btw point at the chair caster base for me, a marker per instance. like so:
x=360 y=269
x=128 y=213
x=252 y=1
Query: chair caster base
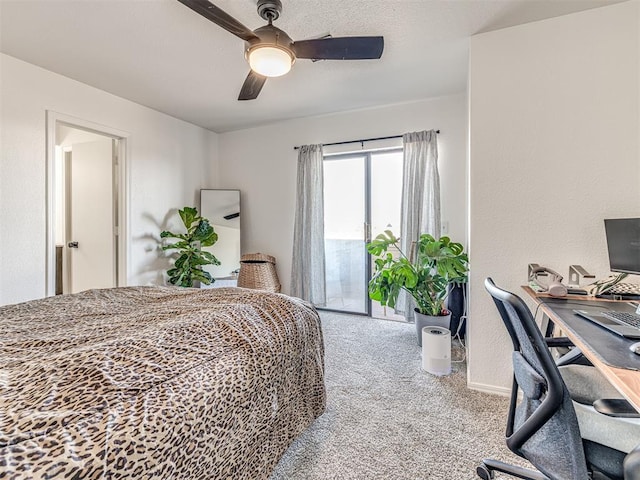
x=484 y=473
x=486 y=470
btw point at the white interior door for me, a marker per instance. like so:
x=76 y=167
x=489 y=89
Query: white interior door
x=91 y=240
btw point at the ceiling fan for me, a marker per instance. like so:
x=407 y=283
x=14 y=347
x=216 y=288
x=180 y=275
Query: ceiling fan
x=271 y=52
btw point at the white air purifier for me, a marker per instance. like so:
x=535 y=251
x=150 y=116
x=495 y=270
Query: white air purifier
x=436 y=350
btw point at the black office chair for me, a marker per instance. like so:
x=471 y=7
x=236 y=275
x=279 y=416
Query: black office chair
x=543 y=427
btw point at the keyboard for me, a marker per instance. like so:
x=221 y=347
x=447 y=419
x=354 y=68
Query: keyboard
x=624 y=289
x=632 y=319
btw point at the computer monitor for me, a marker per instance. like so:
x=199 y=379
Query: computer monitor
x=623 y=243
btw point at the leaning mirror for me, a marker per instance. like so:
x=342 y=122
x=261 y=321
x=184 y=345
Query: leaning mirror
x=222 y=209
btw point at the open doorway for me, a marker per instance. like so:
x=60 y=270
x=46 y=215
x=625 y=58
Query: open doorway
x=86 y=241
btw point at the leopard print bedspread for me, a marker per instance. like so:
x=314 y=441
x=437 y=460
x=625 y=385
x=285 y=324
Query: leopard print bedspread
x=156 y=382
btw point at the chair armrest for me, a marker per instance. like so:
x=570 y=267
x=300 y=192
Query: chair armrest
x=558 y=342
x=615 y=407
x=631 y=465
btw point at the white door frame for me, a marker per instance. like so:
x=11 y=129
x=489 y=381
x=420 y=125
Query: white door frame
x=122 y=174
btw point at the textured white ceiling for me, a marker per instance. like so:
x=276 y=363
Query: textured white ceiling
x=163 y=55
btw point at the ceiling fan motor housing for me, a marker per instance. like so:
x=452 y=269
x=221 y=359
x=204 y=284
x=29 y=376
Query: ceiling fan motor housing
x=270 y=36
x=269 y=9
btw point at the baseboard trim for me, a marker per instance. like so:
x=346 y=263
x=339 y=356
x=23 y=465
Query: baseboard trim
x=481 y=387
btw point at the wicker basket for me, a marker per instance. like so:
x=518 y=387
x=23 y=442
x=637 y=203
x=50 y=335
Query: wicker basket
x=258 y=271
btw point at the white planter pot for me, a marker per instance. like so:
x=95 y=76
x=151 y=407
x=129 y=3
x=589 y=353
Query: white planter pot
x=422 y=321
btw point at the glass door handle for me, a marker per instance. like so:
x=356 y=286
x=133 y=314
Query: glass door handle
x=367 y=232
x=72 y=244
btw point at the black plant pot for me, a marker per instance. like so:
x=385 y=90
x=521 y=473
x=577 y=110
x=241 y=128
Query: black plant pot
x=456 y=306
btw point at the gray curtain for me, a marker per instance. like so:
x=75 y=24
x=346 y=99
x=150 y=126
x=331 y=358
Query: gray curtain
x=308 y=265
x=420 y=211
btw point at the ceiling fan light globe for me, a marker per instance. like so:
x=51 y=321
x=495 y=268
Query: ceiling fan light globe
x=270 y=61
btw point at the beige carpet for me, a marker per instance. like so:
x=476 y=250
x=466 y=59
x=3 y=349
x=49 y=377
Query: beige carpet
x=388 y=419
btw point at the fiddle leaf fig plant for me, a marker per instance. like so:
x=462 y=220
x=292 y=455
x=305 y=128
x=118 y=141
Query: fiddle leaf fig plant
x=187 y=267
x=437 y=264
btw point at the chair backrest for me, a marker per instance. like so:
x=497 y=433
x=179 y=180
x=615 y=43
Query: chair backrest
x=543 y=427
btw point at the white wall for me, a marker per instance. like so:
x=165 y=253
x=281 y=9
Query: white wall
x=555 y=132
x=261 y=162
x=169 y=161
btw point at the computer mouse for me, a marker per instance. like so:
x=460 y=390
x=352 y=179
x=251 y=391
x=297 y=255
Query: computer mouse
x=635 y=348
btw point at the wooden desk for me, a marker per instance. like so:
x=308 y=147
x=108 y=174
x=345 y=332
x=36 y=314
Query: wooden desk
x=587 y=336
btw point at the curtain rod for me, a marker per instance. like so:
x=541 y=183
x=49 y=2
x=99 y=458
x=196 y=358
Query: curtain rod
x=360 y=141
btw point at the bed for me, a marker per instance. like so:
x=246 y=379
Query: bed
x=156 y=382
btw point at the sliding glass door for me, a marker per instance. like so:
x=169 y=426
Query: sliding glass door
x=345 y=211
x=361 y=199
x=386 y=203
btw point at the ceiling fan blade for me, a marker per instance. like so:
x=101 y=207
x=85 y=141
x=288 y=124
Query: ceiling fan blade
x=252 y=86
x=209 y=11
x=340 y=48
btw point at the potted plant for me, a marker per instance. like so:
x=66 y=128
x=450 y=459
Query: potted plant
x=187 y=269
x=435 y=264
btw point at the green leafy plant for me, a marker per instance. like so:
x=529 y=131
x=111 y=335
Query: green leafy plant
x=188 y=266
x=437 y=264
